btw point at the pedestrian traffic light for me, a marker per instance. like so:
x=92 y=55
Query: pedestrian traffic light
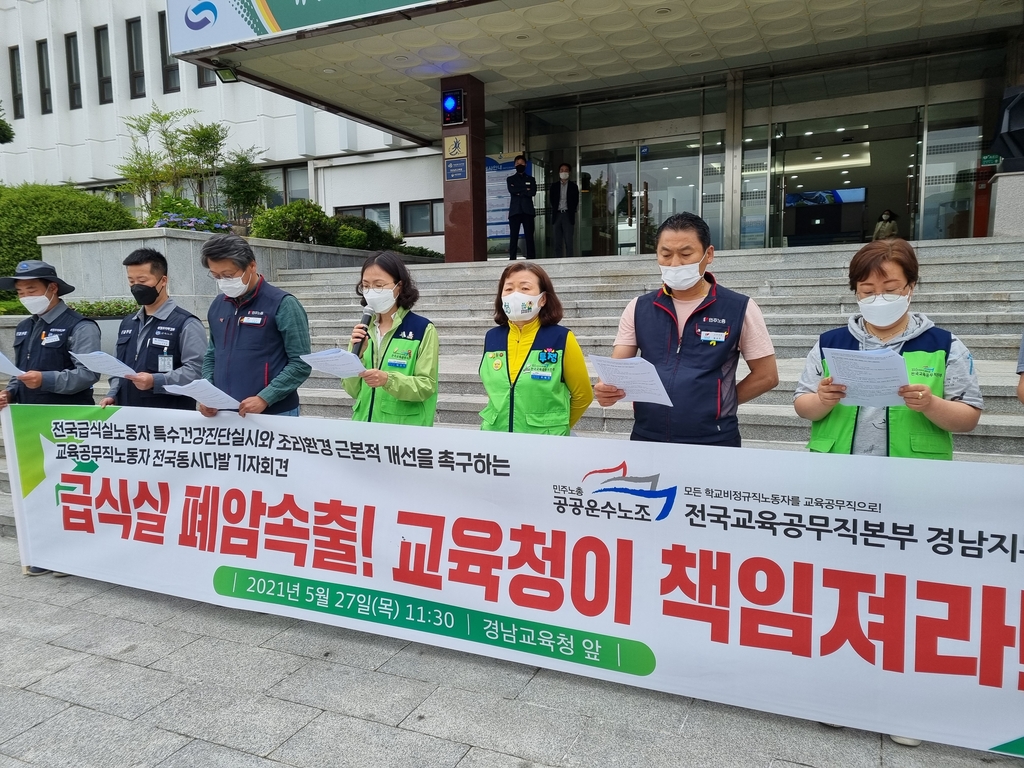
x=451 y=107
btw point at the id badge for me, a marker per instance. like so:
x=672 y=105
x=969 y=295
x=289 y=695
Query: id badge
x=165 y=363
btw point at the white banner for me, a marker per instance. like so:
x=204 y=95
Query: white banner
x=883 y=594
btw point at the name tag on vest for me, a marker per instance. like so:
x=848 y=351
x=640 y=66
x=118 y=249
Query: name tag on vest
x=250 y=320
x=161 y=342
x=712 y=336
x=50 y=340
x=398 y=364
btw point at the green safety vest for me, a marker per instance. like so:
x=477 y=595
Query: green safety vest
x=911 y=434
x=397 y=355
x=538 y=401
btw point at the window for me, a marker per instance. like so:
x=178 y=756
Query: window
x=45 y=92
x=136 y=73
x=74 y=73
x=297 y=183
x=106 y=82
x=423 y=217
x=17 y=92
x=275 y=178
x=206 y=76
x=380 y=213
x=172 y=79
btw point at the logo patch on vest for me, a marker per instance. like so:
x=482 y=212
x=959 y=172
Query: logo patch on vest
x=548 y=356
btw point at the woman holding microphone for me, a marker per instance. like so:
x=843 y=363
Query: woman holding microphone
x=398 y=347
x=532 y=367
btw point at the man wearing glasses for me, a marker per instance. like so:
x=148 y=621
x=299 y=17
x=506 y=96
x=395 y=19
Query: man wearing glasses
x=258 y=334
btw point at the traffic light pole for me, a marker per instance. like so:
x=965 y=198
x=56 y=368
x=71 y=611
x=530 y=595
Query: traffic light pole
x=465 y=193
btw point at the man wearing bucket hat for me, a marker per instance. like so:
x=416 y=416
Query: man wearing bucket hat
x=43 y=344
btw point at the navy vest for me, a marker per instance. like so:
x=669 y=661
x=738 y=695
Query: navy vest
x=698 y=368
x=32 y=353
x=933 y=340
x=164 y=339
x=249 y=349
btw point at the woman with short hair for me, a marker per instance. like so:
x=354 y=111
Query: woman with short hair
x=532 y=367
x=943 y=395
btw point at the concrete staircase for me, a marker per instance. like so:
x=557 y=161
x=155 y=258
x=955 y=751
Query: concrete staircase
x=975 y=288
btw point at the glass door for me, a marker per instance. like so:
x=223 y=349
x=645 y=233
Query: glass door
x=608 y=194
x=669 y=184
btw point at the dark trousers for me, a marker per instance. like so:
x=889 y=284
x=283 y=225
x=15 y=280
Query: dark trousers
x=564 y=227
x=514 y=222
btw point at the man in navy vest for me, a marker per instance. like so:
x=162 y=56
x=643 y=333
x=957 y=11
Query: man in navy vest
x=43 y=344
x=693 y=330
x=258 y=334
x=161 y=341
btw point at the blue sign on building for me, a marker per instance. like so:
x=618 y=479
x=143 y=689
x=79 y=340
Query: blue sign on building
x=456 y=170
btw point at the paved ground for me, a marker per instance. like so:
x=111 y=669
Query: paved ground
x=93 y=674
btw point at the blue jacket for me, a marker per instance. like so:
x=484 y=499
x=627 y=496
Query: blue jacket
x=697 y=367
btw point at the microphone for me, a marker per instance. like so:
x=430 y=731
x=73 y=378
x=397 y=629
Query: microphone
x=364 y=320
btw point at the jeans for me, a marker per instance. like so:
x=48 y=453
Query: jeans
x=293 y=412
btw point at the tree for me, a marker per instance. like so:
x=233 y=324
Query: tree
x=6 y=131
x=202 y=144
x=156 y=159
x=243 y=185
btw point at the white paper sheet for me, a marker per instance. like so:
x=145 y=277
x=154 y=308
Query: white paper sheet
x=101 y=362
x=337 y=362
x=636 y=376
x=6 y=366
x=205 y=393
x=872 y=378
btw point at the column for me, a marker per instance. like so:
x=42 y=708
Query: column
x=465 y=190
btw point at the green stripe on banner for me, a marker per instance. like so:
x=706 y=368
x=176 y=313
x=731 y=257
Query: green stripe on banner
x=1015 y=747
x=587 y=648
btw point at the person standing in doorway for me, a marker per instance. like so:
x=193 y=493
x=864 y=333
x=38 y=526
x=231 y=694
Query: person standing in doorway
x=565 y=199
x=522 y=189
x=886 y=226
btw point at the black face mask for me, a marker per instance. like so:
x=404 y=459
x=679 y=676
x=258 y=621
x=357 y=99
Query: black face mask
x=520 y=169
x=145 y=294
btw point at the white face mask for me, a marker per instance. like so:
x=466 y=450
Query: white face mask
x=232 y=287
x=881 y=313
x=36 y=305
x=521 y=307
x=380 y=300
x=564 y=176
x=682 y=277
x=885 y=217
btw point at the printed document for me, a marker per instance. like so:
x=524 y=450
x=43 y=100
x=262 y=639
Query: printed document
x=6 y=366
x=636 y=376
x=205 y=393
x=872 y=377
x=101 y=362
x=337 y=362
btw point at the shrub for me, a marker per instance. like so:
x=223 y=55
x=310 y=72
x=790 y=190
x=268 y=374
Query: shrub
x=377 y=238
x=29 y=211
x=302 y=221
x=349 y=237
x=106 y=308
x=415 y=250
x=178 y=213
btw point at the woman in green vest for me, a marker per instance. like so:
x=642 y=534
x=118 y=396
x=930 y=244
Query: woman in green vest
x=532 y=368
x=943 y=395
x=398 y=348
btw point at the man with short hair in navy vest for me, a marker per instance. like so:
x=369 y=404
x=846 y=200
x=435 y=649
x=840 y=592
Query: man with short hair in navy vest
x=43 y=343
x=258 y=334
x=161 y=341
x=693 y=330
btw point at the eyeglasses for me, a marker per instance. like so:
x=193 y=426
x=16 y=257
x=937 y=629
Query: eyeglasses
x=376 y=287
x=213 y=276
x=888 y=297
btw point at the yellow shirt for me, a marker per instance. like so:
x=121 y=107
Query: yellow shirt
x=574 y=367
